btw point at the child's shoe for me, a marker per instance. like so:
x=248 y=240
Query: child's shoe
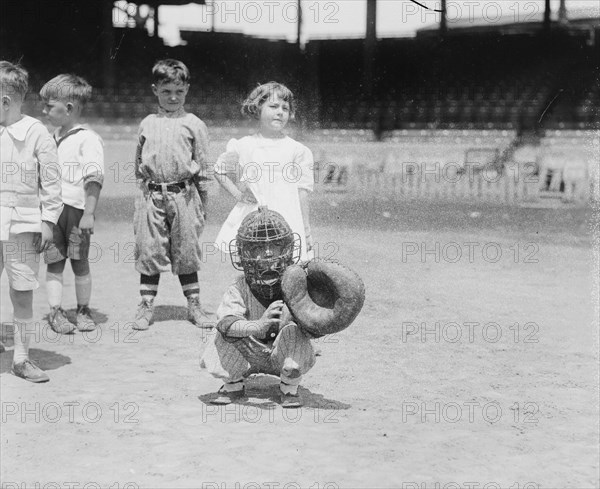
x=58 y=321
x=29 y=371
x=227 y=397
x=84 y=319
x=196 y=315
x=143 y=317
x=291 y=401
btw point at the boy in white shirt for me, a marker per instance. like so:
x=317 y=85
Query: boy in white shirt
x=81 y=160
x=30 y=204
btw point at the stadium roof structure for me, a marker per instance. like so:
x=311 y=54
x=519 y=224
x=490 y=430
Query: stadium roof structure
x=506 y=25
x=90 y=31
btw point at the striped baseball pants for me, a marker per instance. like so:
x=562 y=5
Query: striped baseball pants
x=291 y=356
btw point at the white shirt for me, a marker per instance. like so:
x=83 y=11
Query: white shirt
x=274 y=170
x=30 y=190
x=81 y=158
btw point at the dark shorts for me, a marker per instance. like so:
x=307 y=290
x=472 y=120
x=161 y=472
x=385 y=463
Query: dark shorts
x=68 y=241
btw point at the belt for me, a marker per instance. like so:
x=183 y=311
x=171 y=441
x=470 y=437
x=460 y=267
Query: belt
x=169 y=187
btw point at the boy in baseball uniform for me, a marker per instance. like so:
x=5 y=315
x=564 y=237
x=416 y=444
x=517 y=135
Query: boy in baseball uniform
x=255 y=331
x=171 y=167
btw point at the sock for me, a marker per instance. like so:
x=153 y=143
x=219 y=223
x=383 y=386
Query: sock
x=54 y=286
x=24 y=328
x=289 y=388
x=83 y=289
x=290 y=378
x=149 y=286
x=189 y=284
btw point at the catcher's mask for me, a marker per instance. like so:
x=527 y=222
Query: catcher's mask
x=263 y=248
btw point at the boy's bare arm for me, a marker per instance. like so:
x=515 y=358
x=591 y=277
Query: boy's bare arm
x=92 y=194
x=93 y=156
x=42 y=241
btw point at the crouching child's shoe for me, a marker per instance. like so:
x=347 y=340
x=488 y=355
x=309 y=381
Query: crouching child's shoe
x=196 y=315
x=29 y=371
x=291 y=400
x=227 y=397
x=144 y=315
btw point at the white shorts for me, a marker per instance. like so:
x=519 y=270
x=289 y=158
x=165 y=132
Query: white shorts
x=21 y=260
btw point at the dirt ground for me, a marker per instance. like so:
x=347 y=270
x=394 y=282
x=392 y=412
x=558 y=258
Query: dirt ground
x=473 y=362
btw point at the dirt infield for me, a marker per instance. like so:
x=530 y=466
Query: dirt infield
x=474 y=361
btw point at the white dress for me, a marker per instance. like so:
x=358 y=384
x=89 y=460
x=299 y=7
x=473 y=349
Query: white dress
x=274 y=170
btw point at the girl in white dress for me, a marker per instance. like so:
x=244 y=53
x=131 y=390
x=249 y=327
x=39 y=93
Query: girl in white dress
x=273 y=169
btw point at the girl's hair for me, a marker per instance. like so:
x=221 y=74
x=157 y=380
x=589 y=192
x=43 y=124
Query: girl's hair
x=170 y=71
x=253 y=103
x=68 y=88
x=13 y=78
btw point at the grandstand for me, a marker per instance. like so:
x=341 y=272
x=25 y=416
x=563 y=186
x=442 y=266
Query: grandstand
x=513 y=82
x=497 y=75
x=454 y=83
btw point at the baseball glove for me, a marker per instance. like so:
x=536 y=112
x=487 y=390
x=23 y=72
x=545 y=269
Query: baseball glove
x=324 y=297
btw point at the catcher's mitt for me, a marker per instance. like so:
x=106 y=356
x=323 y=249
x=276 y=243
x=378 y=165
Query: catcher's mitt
x=323 y=296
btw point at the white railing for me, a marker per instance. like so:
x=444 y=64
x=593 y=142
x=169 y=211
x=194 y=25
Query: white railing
x=511 y=187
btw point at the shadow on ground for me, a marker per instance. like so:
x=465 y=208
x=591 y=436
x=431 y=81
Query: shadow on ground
x=46 y=360
x=170 y=313
x=98 y=316
x=262 y=391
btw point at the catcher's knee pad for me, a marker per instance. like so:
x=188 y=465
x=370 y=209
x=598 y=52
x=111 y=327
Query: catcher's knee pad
x=291 y=372
x=291 y=331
